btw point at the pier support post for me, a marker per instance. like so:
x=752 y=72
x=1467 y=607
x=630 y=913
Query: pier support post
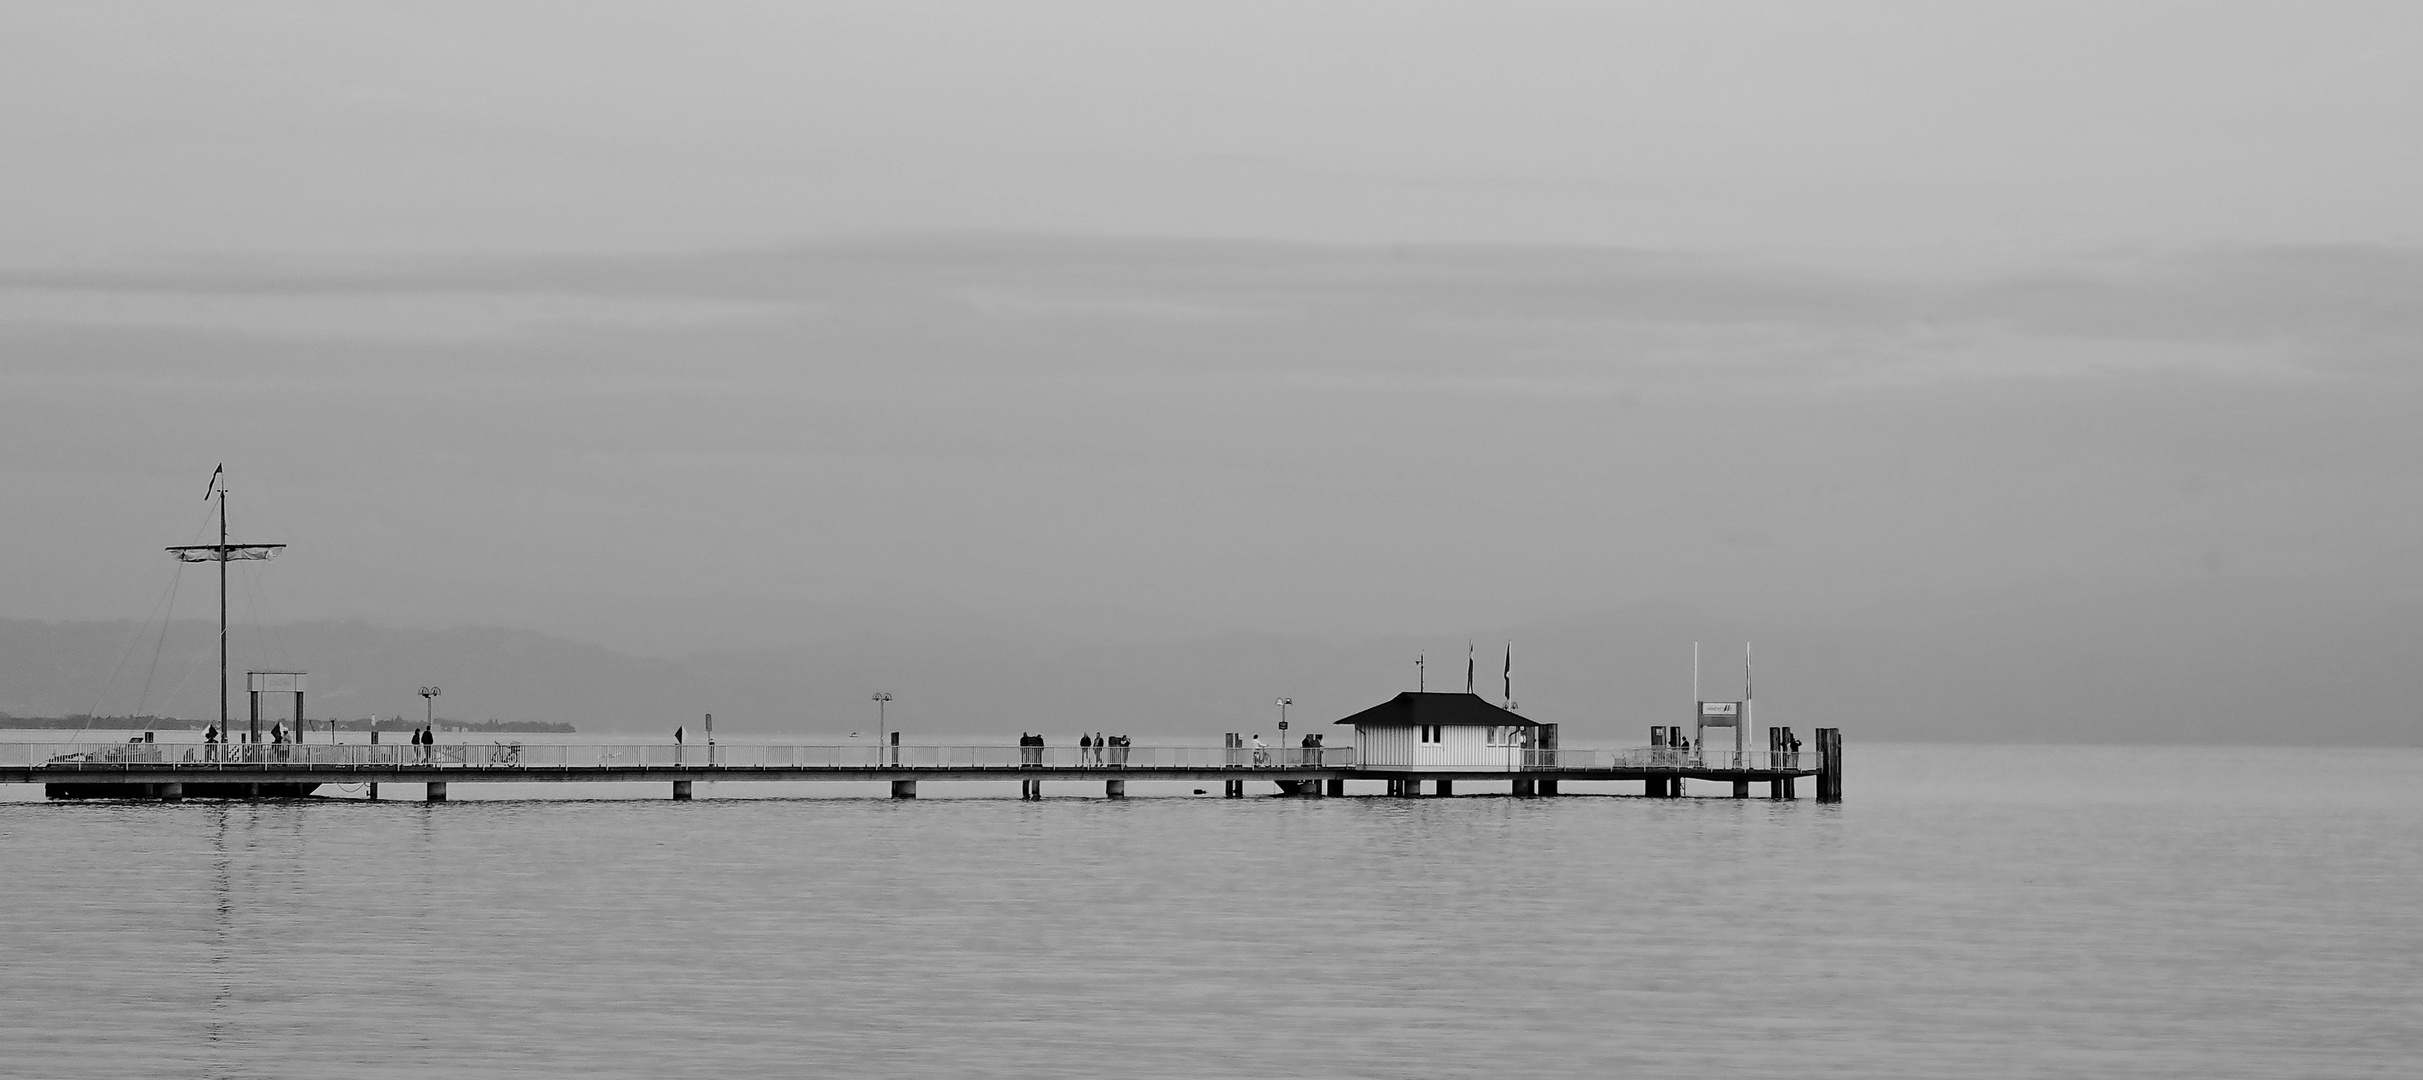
x=1234 y=790
x=1030 y=790
x=1741 y=789
x=1446 y=787
x=1524 y=785
x=904 y=789
x=681 y=791
x=172 y=793
x=374 y=793
x=1545 y=785
x=437 y=791
x=1829 y=765
x=1114 y=789
x=1336 y=787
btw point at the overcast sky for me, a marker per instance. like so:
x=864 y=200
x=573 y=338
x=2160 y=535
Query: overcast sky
x=704 y=326
x=1957 y=131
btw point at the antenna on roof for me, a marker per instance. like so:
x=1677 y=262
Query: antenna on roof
x=1420 y=675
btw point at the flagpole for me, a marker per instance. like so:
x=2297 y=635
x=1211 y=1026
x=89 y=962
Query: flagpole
x=1510 y=673
x=222 y=553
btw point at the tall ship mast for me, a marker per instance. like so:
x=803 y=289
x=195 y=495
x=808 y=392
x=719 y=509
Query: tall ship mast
x=223 y=553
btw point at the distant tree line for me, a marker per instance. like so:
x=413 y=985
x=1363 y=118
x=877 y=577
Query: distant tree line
x=79 y=722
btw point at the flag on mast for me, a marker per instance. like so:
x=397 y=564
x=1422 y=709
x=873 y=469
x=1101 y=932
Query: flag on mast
x=1468 y=670
x=213 y=488
x=1510 y=671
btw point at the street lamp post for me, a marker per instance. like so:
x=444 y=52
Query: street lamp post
x=881 y=697
x=1283 y=703
x=429 y=696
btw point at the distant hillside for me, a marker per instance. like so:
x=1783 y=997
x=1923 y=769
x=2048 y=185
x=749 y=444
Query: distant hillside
x=2234 y=662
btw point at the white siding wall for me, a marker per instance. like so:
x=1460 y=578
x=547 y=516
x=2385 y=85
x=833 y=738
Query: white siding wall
x=1463 y=749
x=1384 y=747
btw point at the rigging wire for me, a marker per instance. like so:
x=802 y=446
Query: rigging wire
x=168 y=617
x=160 y=611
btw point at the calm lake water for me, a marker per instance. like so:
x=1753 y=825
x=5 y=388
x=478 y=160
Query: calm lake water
x=2090 y=912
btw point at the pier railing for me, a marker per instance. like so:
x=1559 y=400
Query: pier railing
x=118 y=756
x=1667 y=757
x=498 y=754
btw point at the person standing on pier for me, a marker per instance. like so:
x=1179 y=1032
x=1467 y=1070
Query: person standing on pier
x=210 y=743
x=1085 y=749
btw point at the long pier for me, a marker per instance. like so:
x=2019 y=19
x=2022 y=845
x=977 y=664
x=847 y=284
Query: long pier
x=172 y=771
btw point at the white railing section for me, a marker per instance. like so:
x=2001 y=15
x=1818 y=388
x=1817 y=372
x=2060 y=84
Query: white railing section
x=65 y=756
x=1667 y=757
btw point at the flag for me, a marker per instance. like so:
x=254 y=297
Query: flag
x=1468 y=667
x=213 y=489
x=677 y=734
x=1510 y=671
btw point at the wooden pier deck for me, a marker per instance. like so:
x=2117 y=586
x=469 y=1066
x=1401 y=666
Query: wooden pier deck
x=179 y=770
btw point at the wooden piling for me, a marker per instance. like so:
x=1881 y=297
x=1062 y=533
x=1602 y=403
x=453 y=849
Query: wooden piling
x=172 y=793
x=1234 y=790
x=437 y=791
x=1336 y=787
x=1446 y=787
x=1114 y=789
x=374 y=793
x=1545 y=785
x=1523 y=786
x=904 y=789
x=681 y=791
x=1741 y=789
x=1829 y=765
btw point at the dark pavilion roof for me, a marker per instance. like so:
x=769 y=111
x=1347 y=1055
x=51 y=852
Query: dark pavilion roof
x=1445 y=709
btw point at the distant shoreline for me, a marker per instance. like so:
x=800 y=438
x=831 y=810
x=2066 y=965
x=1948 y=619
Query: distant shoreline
x=172 y=723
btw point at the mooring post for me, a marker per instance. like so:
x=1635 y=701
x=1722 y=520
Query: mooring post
x=437 y=791
x=681 y=791
x=1114 y=789
x=904 y=789
x=1829 y=765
